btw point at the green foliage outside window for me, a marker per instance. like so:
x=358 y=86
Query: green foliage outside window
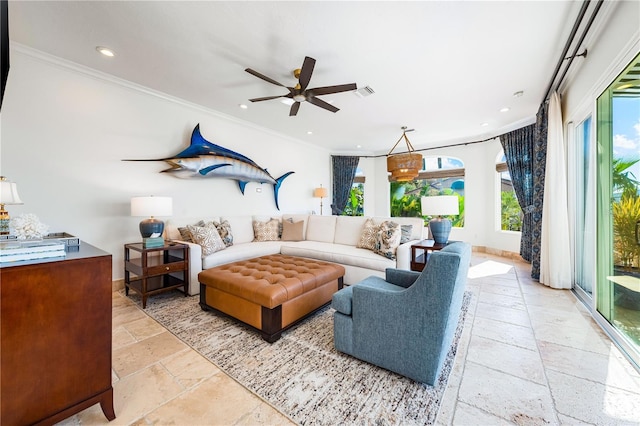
x=626 y=212
x=405 y=199
x=355 y=205
x=511 y=217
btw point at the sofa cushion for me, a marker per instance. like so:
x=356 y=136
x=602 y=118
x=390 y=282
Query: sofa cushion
x=292 y=231
x=321 y=228
x=388 y=239
x=207 y=237
x=242 y=228
x=240 y=252
x=338 y=253
x=368 y=235
x=349 y=229
x=266 y=231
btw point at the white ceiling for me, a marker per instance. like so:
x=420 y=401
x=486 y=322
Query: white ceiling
x=441 y=67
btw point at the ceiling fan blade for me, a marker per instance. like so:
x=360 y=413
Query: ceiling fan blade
x=294 y=109
x=263 y=77
x=306 y=71
x=322 y=104
x=331 y=89
x=266 y=98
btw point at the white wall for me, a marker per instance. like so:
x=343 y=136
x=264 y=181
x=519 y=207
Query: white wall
x=65 y=131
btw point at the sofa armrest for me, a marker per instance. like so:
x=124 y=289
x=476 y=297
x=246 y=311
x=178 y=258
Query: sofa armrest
x=403 y=255
x=195 y=266
x=400 y=277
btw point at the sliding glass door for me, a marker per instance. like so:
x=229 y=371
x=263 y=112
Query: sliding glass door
x=618 y=208
x=585 y=211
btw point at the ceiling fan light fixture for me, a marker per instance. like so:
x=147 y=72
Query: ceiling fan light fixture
x=299 y=98
x=406 y=166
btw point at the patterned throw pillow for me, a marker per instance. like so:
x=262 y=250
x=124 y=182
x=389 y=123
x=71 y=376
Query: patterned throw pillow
x=369 y=235
x=208 y=238
x=405 y=231
x=388 y=239
x=224 y=229
x=185 y=235
x=266 y=231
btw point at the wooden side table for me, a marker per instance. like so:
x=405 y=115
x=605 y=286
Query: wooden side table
x=420 y=253
x=157 y=269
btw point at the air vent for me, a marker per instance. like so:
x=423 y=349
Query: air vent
x=364 y=91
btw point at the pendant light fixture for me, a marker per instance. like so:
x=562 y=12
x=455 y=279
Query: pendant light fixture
x=406 y=166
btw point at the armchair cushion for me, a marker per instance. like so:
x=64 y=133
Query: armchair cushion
x=342 y=300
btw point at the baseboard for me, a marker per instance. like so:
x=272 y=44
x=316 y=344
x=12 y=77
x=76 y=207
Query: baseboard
x=502 y=253
x=117 y=285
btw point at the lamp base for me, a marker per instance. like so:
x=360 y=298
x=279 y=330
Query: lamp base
x=440 y=229
x=4 y=221
x=151 y=228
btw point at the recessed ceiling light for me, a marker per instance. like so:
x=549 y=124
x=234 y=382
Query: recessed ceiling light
x=243 y=106
x=309 y=132
x=287 y=101
x=106 y=51
x=358 y=146
x=518 y=94
x=484 y=124
x=505 y=109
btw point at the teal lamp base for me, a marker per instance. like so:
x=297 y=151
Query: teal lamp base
x=440 y=229
x=151 y=228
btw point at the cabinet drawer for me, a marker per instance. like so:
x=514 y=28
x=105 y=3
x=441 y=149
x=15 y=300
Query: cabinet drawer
x=165 y=268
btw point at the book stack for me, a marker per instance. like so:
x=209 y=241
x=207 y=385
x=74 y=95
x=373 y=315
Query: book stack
x=153 y=242
x=14 y=251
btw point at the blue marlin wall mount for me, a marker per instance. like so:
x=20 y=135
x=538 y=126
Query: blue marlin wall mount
x=203 y=159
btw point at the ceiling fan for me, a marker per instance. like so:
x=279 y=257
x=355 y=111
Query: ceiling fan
x=300 y=93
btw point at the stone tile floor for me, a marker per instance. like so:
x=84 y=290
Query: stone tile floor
x=529 y=355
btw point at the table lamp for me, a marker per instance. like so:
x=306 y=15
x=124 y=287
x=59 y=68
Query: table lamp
x=150 y=207
x=8 y=195
x=440 y=205
x=320 y=193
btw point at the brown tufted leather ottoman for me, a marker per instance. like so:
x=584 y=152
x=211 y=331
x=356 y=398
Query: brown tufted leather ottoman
x=270 y=293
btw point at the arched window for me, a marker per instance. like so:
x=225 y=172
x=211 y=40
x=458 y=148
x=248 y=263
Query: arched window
x=440 y=175
x=510 y=211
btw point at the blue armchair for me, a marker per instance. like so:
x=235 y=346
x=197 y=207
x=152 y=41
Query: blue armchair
x=406 y=322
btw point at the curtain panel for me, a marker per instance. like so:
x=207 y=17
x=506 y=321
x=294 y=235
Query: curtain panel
x=518 y=147
x=539 y=172
x=555 y=259
x=344 y=171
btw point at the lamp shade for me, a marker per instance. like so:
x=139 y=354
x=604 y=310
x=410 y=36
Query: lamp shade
x=151 y=206
x=9 y=193
x=320 y=192
x=439 y=205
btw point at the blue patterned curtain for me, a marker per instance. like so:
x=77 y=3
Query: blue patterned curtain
x=526 y=152
x=344 y=170
x=519 y=152
x=539 y=171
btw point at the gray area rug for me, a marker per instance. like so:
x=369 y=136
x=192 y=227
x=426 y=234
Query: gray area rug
x=302 y=375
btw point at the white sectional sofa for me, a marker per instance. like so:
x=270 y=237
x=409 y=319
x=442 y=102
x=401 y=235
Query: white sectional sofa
x=328 y=238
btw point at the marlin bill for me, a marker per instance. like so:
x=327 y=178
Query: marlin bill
x=203 y=159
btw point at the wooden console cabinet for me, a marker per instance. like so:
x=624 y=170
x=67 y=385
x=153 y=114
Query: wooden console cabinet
x=55 y=346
